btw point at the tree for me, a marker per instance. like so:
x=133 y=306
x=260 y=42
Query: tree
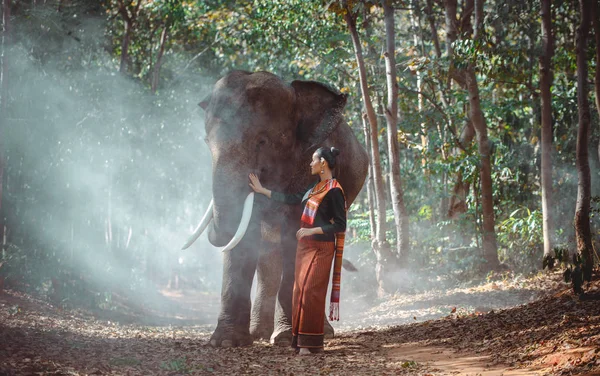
x=480 y=125
x=129 y=12
x=3 y=107
x=596 y=24
x=5 y=46
x=385 y=259
x=391 y=116
x=582 y=209
x=546 y=98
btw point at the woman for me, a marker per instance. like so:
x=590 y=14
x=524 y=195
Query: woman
x=320 y=237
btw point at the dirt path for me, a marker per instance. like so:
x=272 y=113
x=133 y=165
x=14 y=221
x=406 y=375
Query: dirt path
x=555 y=334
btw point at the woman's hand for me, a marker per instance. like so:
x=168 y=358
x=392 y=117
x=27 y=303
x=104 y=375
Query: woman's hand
x=303 y=232
x=255 y=184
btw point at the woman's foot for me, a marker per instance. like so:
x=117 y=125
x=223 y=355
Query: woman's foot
x=304 y=351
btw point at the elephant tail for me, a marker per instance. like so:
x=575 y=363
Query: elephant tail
x=346 y=264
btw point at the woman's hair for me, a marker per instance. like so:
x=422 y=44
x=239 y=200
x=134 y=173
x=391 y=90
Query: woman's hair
x=328 y=154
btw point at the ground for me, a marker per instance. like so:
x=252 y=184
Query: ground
x=532 y=326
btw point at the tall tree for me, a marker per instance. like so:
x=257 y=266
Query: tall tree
x=391 y=116
x=3 y=105
x=582 y=210
x=546 y=97
x=458 y=199
x=385 y=259
x=159 y=58
x=5 y=44
x=479 y=123
x=596 y=23
x=369 y=182
x=129 y=12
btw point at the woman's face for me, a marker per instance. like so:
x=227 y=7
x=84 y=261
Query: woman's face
x=315 y=165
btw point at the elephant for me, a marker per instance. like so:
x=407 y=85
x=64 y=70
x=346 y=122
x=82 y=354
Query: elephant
x=257 y=123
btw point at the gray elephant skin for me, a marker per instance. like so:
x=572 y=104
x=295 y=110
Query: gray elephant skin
x=257 y=123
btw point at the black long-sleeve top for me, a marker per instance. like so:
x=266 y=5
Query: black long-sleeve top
x=331 y=215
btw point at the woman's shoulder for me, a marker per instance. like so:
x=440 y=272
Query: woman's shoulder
x=336 y=191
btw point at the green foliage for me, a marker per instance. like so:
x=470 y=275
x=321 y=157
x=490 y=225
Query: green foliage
x=522 y=239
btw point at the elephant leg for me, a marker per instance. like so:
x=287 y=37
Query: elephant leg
x=239 y=265
x=268 y=276
x=282 y=332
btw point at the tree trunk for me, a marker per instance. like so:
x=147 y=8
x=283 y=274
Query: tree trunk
x=451 y=32
x=370 y=188
x=129 y=20
x=158 y=63
x=458 y=200
x=3 y=107
x=433 y=29
x=545 y=84
x=5 y=46
x=596 y=23
x=385 y=258
x=582 y=210
x=391 y=116
x=125 y=46
x=490 y=251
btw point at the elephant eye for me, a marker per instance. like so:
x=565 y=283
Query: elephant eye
x=261 y=142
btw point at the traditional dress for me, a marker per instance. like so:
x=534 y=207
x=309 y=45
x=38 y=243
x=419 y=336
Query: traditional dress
x=324 y=206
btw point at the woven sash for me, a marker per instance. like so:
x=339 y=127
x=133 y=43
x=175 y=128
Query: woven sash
x=315 y=197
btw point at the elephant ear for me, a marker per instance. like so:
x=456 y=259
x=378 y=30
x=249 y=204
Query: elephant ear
x=319 y=111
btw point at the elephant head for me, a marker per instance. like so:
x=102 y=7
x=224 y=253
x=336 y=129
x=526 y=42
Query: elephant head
x=256 y=123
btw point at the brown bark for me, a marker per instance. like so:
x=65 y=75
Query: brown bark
x=546 y=98
x=129 y=20
x=451 y=32
x=490 y=251
x=3 y=107
x=433 y=29
x=458 y=200
x=5 y=43
x=582 y=210
x=370 y=187
x=596 y=23
x=159 y=57
x=385 y=259
x=391 y=116
x=125 y=47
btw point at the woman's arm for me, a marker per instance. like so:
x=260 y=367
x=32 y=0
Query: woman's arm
x=291 y=199
x=338 y=209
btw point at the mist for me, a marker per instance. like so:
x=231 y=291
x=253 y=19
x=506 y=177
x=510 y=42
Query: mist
x=102 y=177
x=106 y=181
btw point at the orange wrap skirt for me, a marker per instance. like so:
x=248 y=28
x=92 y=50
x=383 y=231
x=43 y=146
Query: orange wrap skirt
x=313 y=267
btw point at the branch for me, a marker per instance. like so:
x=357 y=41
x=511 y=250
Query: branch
x=429 y=99
x=200 y=53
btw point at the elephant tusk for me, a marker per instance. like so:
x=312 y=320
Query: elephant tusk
x=208 y=216
x=241 y=231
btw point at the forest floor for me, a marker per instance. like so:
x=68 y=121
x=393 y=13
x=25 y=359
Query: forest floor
x=511 y=326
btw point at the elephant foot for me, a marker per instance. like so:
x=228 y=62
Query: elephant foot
x=261 y=330
x=282 y=337
x=328 y=330
x=230 y=337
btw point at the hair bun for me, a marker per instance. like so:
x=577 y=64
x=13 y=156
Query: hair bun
x=335 y=151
